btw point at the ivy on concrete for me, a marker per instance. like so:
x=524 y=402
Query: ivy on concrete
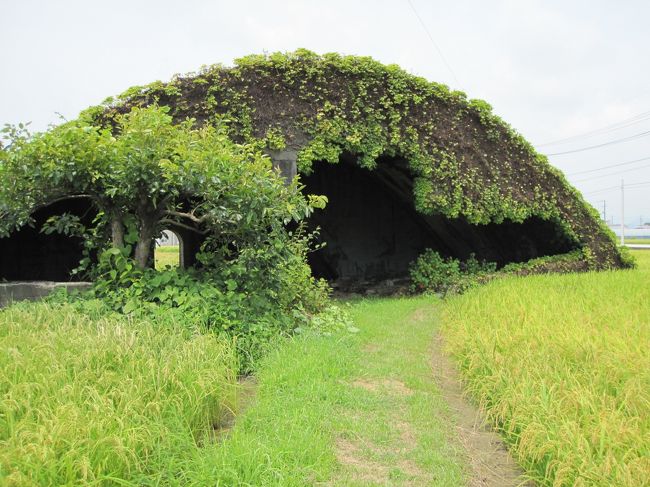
x=465 y=160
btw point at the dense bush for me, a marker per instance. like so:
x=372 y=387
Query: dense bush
x=432 y=272
x=257 y=297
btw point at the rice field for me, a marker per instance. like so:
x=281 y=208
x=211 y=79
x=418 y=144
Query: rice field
x=166 y=255
x=104 y=401
x=561 y=363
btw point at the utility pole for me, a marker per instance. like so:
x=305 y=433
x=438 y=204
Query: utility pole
x=604 y=212
x=622 y=212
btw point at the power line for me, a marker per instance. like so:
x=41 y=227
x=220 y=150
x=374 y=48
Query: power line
x=637 y=184
x=611 y=142
x=609 y=166
x=611 y=174
x=642 y=117
x=642 y=183
x=433 y=42
x=601 y=190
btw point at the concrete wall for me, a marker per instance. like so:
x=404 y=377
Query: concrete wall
x=19 y=291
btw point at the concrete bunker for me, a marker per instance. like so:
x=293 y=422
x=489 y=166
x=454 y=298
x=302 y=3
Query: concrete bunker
x=372 y=230
x=29 y=254
x=305 y=108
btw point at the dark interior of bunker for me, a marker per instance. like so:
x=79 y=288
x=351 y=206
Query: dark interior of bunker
x=32 y=255
x=370 y=226
x=373 y=232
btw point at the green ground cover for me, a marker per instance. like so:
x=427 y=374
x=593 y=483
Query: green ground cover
x=561 y=364
x=109 y=401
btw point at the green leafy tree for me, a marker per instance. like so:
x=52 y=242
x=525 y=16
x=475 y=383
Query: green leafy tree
x=147 y=173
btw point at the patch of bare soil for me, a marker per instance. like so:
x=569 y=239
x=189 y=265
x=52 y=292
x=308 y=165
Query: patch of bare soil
x=349 y=453
x=352 y=454
x=490 y=462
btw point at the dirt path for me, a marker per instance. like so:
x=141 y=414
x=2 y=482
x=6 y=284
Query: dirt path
x=491 y=463
x=404 y=420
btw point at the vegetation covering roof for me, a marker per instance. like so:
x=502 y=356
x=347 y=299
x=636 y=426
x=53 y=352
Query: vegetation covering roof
x=465 y=160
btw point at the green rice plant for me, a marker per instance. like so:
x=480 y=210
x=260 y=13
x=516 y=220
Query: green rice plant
x=561 y=365
x=86 y=399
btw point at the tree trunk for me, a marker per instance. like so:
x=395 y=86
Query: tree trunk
x=143 y=247
x=117 y=230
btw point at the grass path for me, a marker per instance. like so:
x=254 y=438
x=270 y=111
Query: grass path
x=395 y=431
x=354 y=410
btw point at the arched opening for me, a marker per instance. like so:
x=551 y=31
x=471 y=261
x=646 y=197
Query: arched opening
x=32 y=255
x=167 y=251
x=177 y=246
x=373 y=232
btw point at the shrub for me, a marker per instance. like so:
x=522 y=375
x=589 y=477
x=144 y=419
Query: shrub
x=432 y=272
x=263 y=293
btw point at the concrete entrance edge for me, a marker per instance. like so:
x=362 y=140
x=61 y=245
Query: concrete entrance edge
x=33 y=290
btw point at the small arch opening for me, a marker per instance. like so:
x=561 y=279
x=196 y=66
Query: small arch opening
x=168 y=251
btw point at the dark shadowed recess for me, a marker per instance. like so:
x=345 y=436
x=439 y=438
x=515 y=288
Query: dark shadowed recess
x=30 y=255
x=372 y=230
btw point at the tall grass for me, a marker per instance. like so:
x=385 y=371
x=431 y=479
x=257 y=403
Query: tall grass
x=105 y=400
x=562 y=364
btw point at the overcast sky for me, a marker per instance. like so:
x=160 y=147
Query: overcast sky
x=552 y=69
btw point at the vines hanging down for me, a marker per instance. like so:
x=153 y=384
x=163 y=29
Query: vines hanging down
x=465 y=161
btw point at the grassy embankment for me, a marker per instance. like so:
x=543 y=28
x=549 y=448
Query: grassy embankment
x=561 y=363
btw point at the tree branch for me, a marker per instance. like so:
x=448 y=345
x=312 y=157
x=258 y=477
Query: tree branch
x=182 y=225
x=63 y=198
x=189 y=216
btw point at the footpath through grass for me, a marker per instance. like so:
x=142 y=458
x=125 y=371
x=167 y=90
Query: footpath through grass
x=114 y=402
x=562 y=364
x=354 y=410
